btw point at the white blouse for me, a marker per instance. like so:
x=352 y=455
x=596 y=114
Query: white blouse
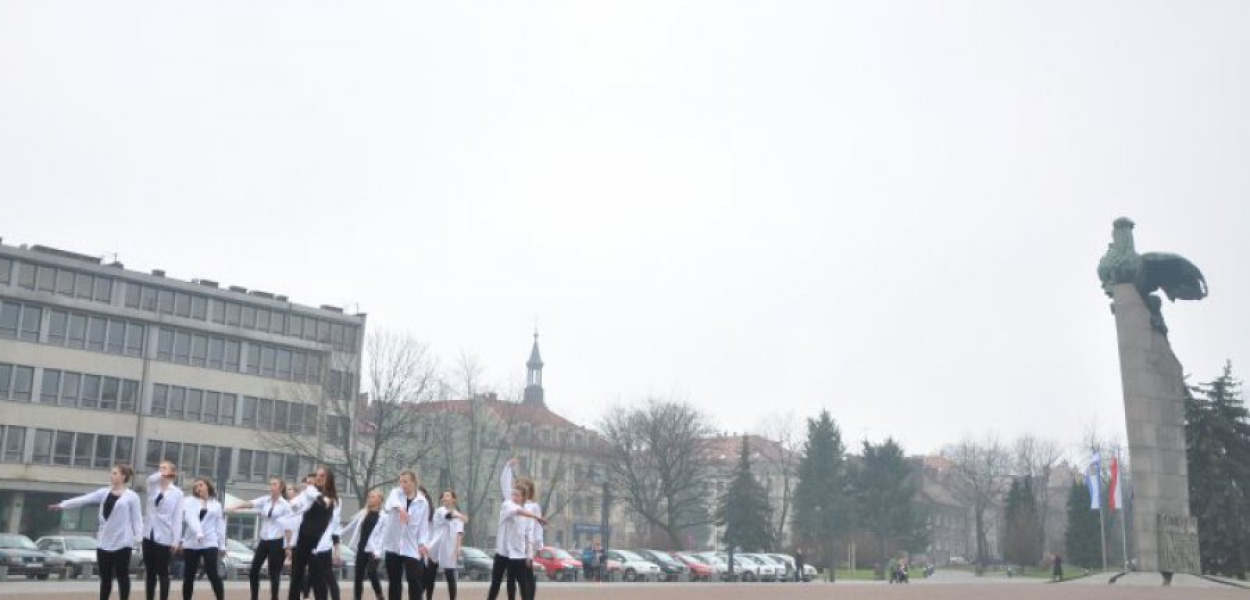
x=124 y=526
x=200 y=534
x=271 y=513
x=446 y=532
x=407 y=540
x=164 y=520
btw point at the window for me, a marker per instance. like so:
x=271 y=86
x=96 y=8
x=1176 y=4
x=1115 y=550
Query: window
x=149 y=298
x=90 y=391
x=218 y=310
x=264 y=415
x=296 y=418
x=109 y=391
x=63 y=448
x=212 y=407
x=116 y=341
x=152 y=457
x=45 y=279
x=130 y=395
x=43 y=446
x=6 y=380
x=248 y=418
x=227 y=409
x=284 y=364
x=182 y=347
x=310 y=419
x=195 y=404
x=58 y=324
x=262 y=319
x=199 y=307
x=31 y=322
x=243 y=469
x=96 y=327
x=160 y=399
x=70 y=389
x=277 y=323
x=314 y=368
x=164 y=302
x=9 y=316
x=82 y=286
x=247 y=317
x=173 y=453
x=182 y=304
x=232 y=355
x=134 y=339
x=103 y=451
x=14 y=443
x=207 y=465
x=268 y=361
x=232 y=313
x=103 y=290
x=177 y=402
x=65 y=283
x=26 y=275
x=50 y=388
x=132 y=295
x=77 y=331
x=281 y=416
x=23 y=378
x=260 y=460
x=253 y=358
x=297 y=366
x=84 y=446
x=165 y=345
x=294 y=325
x=199 y=350
x=124 y=450
x=6 y=270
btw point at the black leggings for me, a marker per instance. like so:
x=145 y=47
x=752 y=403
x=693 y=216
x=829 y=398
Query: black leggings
x=321 y=572
x=301 y=555
x=516 y=569
x=512 y=581
x=191 y=563
x=431 y=577
x=156 y=566
x=271 y=552
x=366 y=567
x=114 y=564
x=399 y=568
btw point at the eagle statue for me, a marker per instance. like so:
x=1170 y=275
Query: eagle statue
x=1172 y=273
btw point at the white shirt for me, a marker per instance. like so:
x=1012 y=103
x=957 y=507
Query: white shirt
x=303 y=502
x=271 y=513
x=210 y=532
x=290 y=524
x=163 y=521
x=533 y=529
x=373 y=545
x=124 y=526
x=443 y=540
x=406 y=540
x=512 y=541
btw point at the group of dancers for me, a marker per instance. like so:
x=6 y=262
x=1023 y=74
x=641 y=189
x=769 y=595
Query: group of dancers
x=302 y=525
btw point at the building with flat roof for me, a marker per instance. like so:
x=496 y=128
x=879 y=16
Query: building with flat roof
x=100 y=365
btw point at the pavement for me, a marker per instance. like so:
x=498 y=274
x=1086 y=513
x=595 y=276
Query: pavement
x=942 y=586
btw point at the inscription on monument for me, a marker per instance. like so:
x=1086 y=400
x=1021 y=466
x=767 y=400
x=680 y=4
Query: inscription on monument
x=1178 y=544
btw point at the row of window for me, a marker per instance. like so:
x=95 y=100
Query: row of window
x=235 y=314
x=78 y=449
x=82 y=390
x=12 y=442
x=20 y=321
x=66 y=282
x=190 y=404
x=193 y=460
x=96 y=333
x=278 y=415
x=16 y=382
x=228 y=354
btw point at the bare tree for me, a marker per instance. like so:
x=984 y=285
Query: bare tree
x=1038 y=459
x=366 y=437
x=658 y=467
x=784 y=431
x=980 y=470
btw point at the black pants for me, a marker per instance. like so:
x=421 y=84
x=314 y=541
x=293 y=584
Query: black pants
x=191 y=560
x=156 y=566
x=321 y=572
x=513 y=580
x=114 y=564
x=366 y=567
x=431 y=577
x=301 y=555
x=267 y=552
x=399 y=568
x=515 y=569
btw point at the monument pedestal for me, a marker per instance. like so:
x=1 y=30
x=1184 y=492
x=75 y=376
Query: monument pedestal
x=1153 y=380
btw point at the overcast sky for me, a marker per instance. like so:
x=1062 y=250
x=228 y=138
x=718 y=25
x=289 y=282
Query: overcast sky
x=891 y=210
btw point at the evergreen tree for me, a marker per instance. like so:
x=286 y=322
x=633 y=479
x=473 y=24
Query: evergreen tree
x=885 y=499
x=1082 y=541
x=820 y=493
x=744 y=511
x=1217 y=436
x=1022 y=525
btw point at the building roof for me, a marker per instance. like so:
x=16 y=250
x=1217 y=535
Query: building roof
x=532 y=414
x=726 y=448
x=536 y=359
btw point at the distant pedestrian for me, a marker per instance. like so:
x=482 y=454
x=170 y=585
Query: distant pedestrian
x=798 y=564
x=1057 y=573
x=588 y=562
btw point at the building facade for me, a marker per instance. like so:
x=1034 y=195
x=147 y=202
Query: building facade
x=101 y=365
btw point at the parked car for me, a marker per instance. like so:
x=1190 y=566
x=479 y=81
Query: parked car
x=634 y=567
x=77 y=550
x=559 y=564
x=474 y=564
x=671 y=568
x=700 y=569
x=22 y=557
x=753 y=568
x=809 y=572
x=718 y=562
x=237 y=562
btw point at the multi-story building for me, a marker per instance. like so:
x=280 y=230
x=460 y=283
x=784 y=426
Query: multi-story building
x=101 y=365
x=773 y=466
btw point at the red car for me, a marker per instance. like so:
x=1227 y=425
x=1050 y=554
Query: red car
x=560 y=565
x=699 y=571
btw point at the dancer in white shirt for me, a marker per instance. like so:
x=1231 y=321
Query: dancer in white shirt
x=363 y=538
x=163 y=527
x=317 y=545
x=121 y=528
x=406 y=537
x=447 y=528
x=513 y=546
x=270 y=537
x=203 y=538
x=534 y=531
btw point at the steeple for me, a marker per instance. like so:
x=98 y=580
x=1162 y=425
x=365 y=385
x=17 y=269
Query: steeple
x=534 y=376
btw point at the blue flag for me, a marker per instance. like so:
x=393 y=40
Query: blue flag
x=1094 y=480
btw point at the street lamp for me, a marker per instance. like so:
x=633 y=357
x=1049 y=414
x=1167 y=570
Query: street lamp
x=600 y=477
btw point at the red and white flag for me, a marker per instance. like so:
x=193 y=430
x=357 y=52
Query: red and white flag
x=1113 y=491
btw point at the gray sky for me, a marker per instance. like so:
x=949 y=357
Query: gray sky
x=889 y=209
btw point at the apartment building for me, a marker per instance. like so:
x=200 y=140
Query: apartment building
x=100 y=365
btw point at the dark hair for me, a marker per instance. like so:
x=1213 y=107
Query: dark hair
x=429 y=509
x=281 y=485
x=208 y=483
x=328 y=490
x=127 y=472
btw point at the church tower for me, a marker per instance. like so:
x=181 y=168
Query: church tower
x=534 y=377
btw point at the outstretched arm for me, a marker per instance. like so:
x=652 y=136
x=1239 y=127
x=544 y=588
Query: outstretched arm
x=505 y=479
x=95 y=497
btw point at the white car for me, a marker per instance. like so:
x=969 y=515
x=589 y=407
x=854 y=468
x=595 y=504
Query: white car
x=635 y=567
x=754 y=569
x=77 y=550
x=238 y=561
